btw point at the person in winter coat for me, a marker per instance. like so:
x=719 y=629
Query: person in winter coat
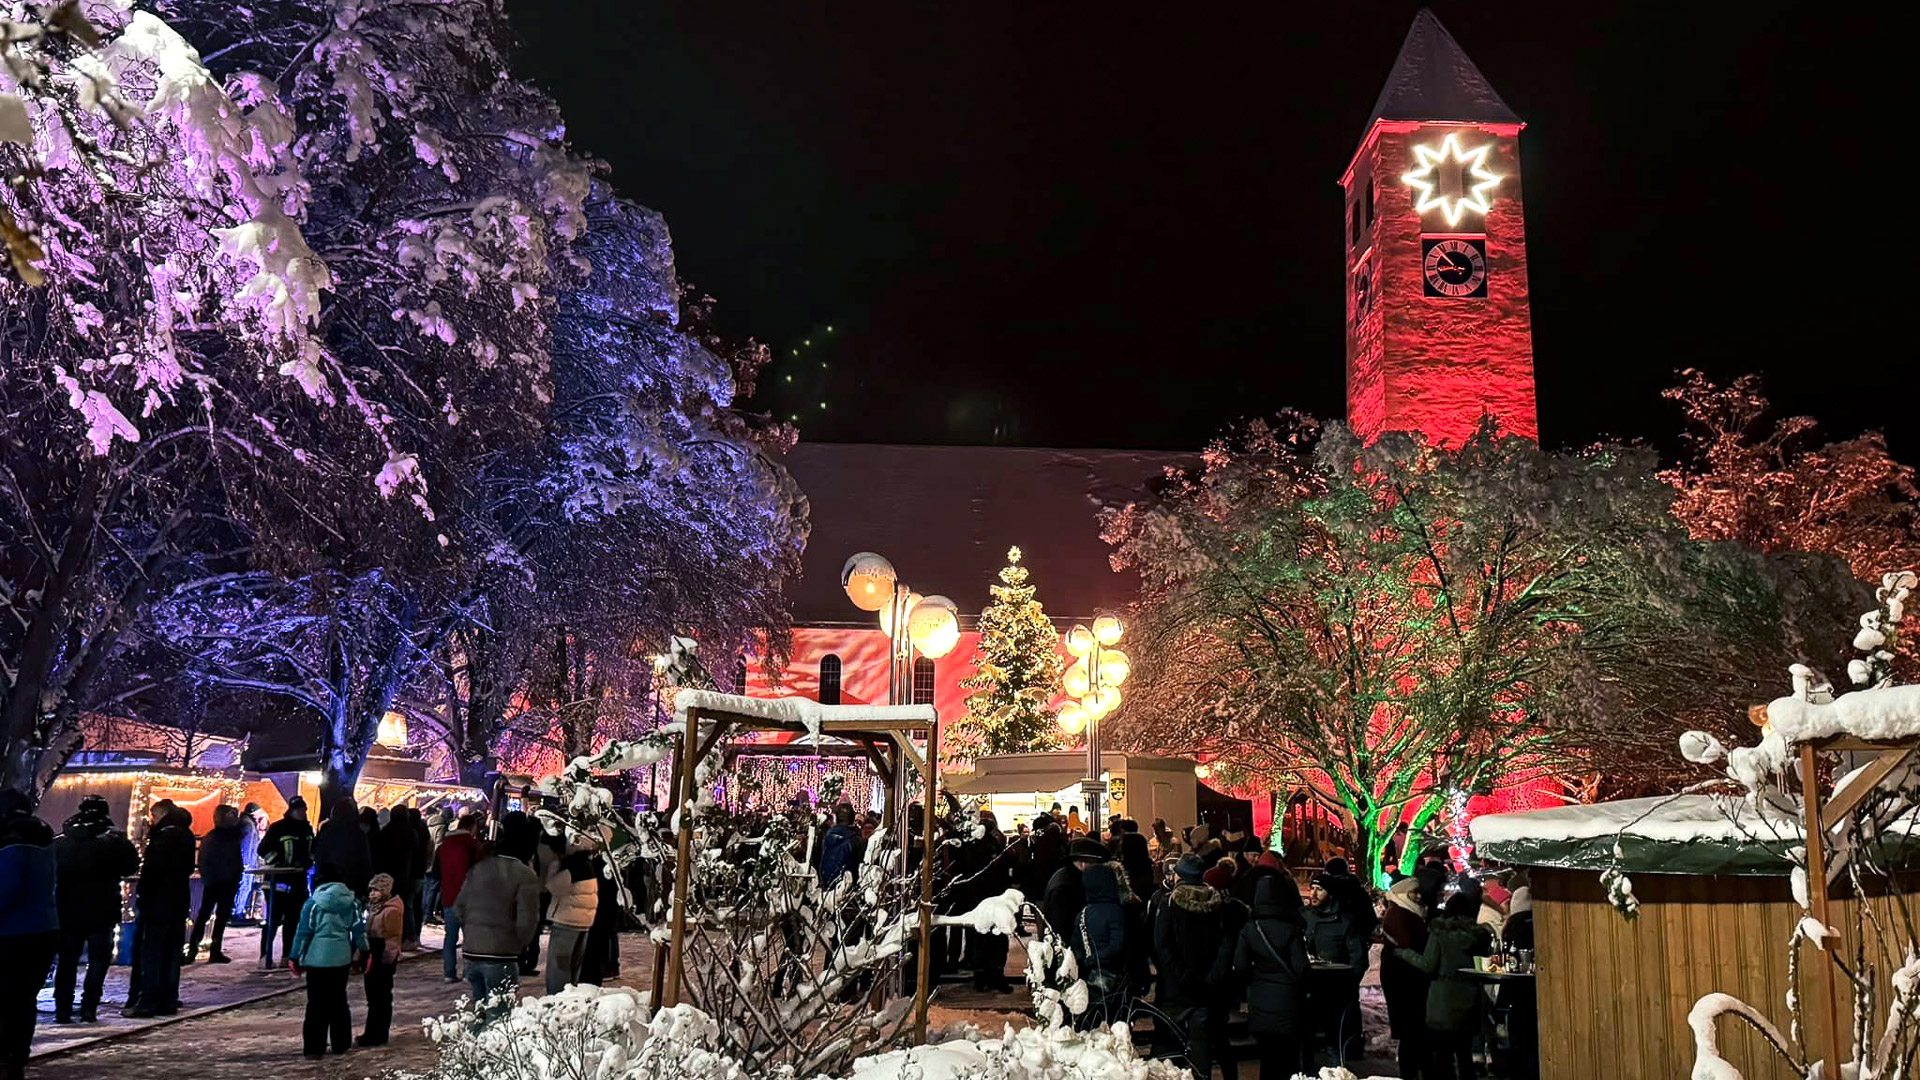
x=457 y=854
x=1065 y=894
x=602 y=960
x=254 y=822
x=1270 y=957
x=1340 y=931
x=1099 y=942
x=220 y=867
x=341 y=851
x=29 y=925
x=393 y=855
x=386 y=925
x=523 y=838
x=499 y=912
x=1404 y=925
x=1519 y=996
x=333 y=930
x=1137 y=858
x=842 y=848
x=1453 y=940
x=163 y=899
x=988 y=864
x=1046 y=854
x=575 y=888
x=422 y=859
x=90 y=859
x=1194 y=933
x=287 y=849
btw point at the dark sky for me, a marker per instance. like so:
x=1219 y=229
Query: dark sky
x=1119 y=225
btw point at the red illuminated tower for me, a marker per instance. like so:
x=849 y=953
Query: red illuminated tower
x=1438 y=328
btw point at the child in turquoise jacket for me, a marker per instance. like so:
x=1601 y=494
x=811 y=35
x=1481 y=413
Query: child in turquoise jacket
x=332 y=933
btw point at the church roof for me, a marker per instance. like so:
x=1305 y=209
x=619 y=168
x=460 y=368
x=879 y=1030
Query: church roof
x=945 y=516
x=1432 y=79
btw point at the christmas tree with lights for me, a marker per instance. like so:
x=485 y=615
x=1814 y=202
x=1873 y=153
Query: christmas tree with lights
x=1018 y=672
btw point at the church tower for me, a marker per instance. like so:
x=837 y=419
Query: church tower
x=1439 y=332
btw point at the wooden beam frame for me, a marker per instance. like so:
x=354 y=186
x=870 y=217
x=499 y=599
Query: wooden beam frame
x=869 y=733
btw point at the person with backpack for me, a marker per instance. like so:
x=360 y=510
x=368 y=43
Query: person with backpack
x=1453 y=940
x=1271 y=958
x=332 y=932
x=91 y=857
x=221 y=864
x=842 y=849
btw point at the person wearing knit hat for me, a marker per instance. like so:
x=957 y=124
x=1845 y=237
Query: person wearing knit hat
x=1193 y=935
x=386 y=926
x=1221 y=876
x=1404 y=925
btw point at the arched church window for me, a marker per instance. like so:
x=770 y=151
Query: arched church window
x=830 y=680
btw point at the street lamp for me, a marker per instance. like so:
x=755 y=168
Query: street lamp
x=1092 y=684
x=928 y=624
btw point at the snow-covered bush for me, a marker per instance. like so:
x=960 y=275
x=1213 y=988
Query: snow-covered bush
x=581 y=1033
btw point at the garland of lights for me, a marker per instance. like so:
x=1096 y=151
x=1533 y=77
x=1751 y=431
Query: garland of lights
x=774 y=782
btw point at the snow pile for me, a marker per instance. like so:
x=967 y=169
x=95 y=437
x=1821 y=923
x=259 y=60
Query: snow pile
x=583 y=1031
x=1027 y=1054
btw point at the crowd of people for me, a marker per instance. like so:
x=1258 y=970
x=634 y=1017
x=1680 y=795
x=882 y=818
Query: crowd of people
x=1191 y=927
x=346 y=900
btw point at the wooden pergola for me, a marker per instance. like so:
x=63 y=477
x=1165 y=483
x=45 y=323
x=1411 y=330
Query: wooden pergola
x=887 y=735
x=1821 y=814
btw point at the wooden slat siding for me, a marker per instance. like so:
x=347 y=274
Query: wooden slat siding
x=1614 y=995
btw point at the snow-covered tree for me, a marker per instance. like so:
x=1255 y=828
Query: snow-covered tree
x=1017 y=674
x=1393 y=625
x=161 y=320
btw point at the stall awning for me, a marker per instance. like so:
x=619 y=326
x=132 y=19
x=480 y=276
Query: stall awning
x=1687 y=834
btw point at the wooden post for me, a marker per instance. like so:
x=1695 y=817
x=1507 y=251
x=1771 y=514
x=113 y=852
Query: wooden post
x=930 y=777
x=1817 y=894
x=688 y=766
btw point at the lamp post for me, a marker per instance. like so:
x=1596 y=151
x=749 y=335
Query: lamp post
x=1093 y=689
x=929 y=624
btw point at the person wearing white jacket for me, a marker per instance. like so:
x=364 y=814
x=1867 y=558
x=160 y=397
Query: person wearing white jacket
x=575 y=887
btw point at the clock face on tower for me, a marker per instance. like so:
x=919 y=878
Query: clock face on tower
x=1454 y=265
x=1362 y=292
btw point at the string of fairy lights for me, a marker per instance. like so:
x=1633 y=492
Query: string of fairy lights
x=773 y=782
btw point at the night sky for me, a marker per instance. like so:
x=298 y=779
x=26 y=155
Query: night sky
x=1119 y=225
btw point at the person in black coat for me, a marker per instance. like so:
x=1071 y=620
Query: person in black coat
x=1271 y=958
x=163 y=898
x=1099 y=942
x=91 y=857
x=1340 y=926
x=341 y=851
x=422 y=859
x=29 y=925
x=220 y=869
x=1046 y=854
x=286 y=847
x=1065 y=894
x=395 y=855
x=988 y=862
x=1194 y=933
x=1519 y=996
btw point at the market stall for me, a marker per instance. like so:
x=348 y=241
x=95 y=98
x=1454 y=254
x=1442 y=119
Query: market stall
x=1140 y=786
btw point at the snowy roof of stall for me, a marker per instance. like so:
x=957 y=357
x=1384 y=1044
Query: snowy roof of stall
x=945 y=516
x=1433 y=79
x=1684 y=834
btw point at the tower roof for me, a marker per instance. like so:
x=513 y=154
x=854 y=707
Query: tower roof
x=1433 y=80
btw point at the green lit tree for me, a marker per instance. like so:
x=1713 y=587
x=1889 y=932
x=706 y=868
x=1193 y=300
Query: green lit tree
x=1018 y=674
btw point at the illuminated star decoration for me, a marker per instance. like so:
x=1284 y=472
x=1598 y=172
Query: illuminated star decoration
x=1476 y=181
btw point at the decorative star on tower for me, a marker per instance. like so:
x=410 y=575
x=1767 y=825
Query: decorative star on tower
x=1476 y=183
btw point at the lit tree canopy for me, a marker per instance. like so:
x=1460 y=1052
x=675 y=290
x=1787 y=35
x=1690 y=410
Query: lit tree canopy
x=1390 y=624
x=1017 y=676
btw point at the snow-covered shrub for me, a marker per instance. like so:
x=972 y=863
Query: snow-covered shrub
x=582 y=1033
x=1052 y=1053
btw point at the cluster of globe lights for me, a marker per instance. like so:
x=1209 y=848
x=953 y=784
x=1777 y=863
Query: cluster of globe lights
x=932 y=622
x=1093 y=682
